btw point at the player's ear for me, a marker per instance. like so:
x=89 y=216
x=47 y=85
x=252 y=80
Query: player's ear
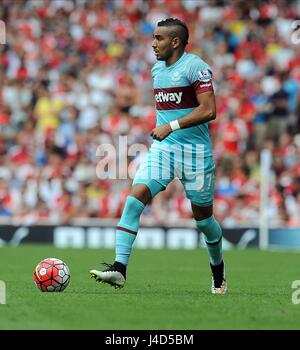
x=176 y=42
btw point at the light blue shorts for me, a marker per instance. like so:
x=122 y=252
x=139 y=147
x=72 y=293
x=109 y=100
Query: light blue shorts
x=196 y=172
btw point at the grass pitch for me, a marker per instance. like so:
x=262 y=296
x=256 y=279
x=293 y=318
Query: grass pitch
x=165 y=289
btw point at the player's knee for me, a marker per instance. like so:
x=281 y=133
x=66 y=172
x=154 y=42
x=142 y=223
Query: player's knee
x=133 y=207
x=202 y=213
x=142 y=193
x=203 y=223
x=211 y=229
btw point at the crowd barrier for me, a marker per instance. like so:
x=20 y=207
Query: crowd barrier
x=155 y=237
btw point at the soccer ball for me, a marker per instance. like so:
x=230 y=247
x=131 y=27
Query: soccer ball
x=51 y=275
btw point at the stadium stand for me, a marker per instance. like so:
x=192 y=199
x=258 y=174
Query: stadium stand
x=76 y=74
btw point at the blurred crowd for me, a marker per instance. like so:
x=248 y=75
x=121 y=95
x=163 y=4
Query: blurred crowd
x=75 y=74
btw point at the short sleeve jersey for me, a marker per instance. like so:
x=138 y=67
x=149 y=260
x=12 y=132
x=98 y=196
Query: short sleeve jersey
x=175 y=91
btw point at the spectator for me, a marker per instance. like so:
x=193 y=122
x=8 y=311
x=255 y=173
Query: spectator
x=278 y=118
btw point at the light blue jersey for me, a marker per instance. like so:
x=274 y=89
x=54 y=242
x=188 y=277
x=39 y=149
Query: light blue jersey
x=185 y=154
x=175 y=90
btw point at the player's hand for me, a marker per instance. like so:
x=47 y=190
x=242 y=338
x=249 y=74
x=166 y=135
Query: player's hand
x=161 y=132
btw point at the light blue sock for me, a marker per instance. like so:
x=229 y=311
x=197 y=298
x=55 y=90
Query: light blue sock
x=127 y=228
x=213 y=238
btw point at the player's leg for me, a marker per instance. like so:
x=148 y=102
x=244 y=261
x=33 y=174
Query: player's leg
x=152 y=177
x=212 y=231
x=126 y=232
x=200 y=190
x=128 y=226
x=147 y=183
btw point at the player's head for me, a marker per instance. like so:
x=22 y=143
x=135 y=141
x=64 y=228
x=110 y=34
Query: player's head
x=170 y=35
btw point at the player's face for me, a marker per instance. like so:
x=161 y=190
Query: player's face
x=162 y=44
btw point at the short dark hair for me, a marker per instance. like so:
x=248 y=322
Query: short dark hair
x=182 y=32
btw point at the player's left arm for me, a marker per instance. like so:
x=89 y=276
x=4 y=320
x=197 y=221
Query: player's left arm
x=201 y=80
x=205 y=112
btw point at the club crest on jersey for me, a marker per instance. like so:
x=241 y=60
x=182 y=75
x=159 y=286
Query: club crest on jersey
x=204 y=75
x=175 y=76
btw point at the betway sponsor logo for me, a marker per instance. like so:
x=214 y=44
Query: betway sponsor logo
x=168 y=97
x=179 y=97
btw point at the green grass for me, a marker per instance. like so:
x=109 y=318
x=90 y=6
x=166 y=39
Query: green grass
x=166 y=289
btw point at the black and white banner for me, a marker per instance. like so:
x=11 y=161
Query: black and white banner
x=104 y=237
